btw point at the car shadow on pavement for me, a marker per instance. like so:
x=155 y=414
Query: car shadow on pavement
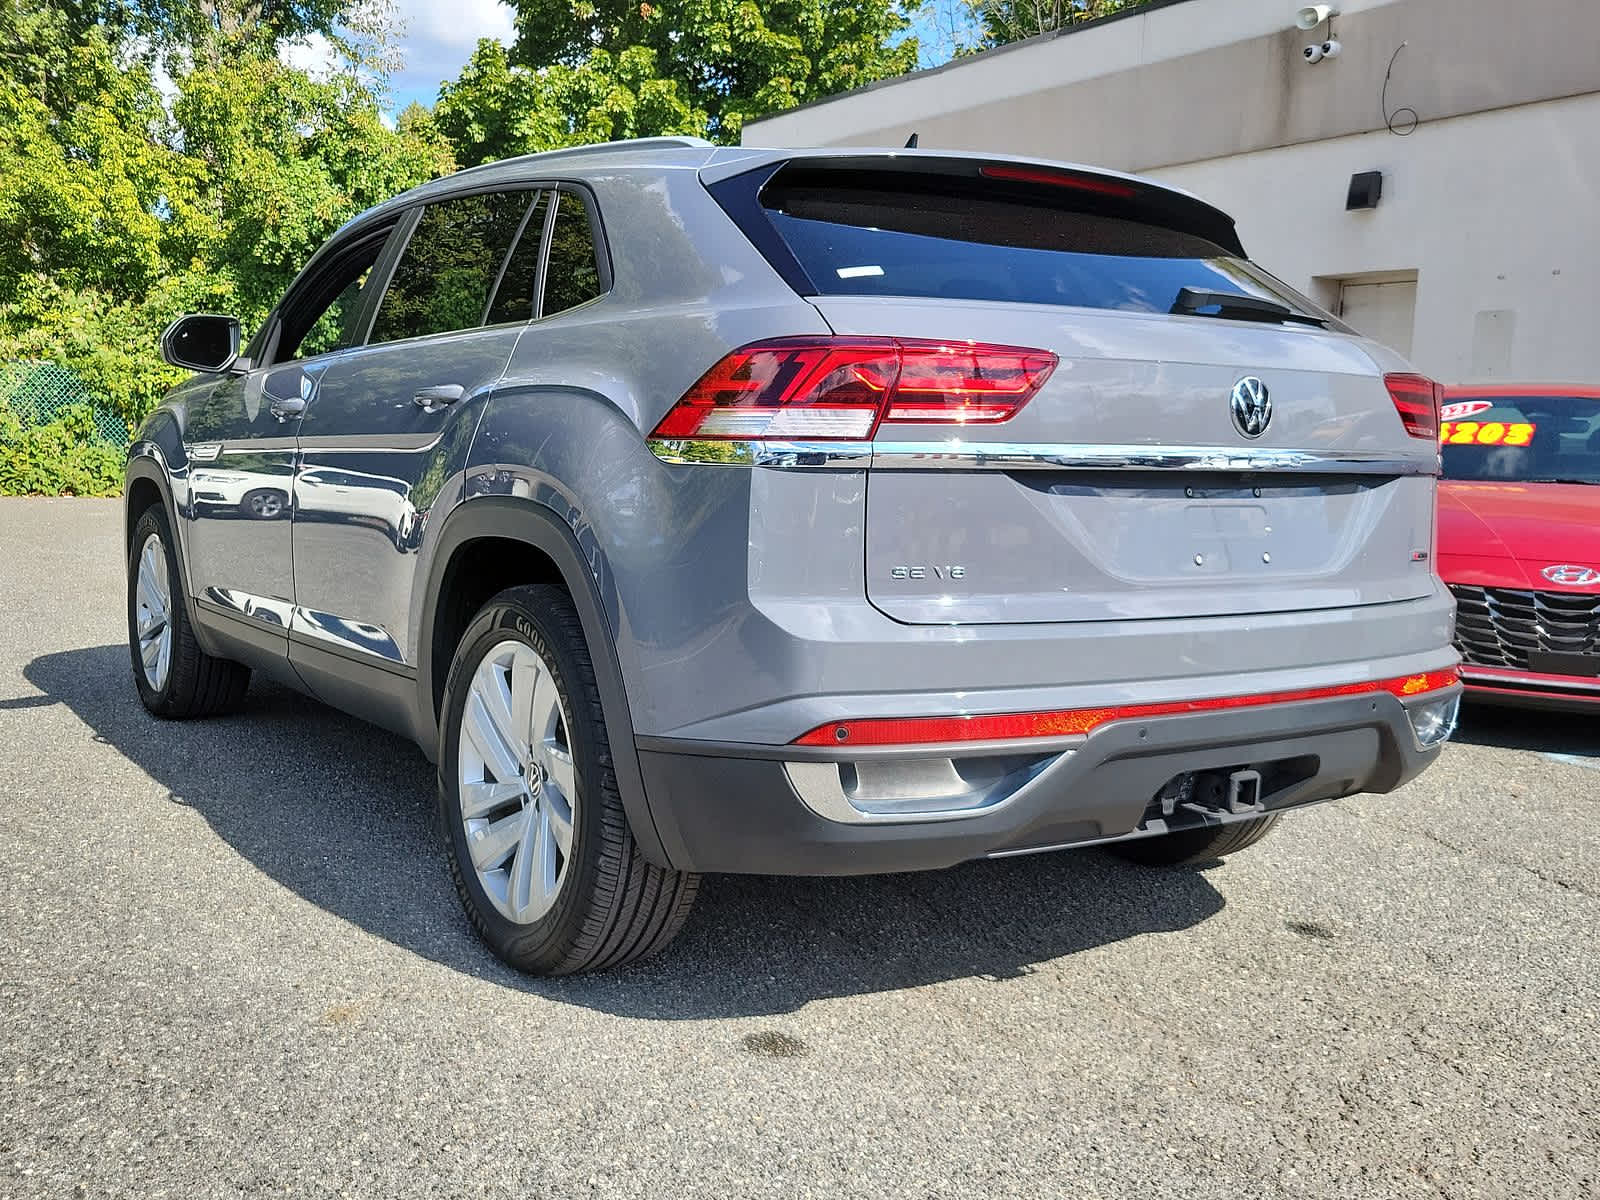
x=343 y=814
x=1563 y=734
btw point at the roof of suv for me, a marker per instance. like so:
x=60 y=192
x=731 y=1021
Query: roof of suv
x=717 y=162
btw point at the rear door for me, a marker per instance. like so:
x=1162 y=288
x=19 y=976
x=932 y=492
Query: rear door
x=1132 y=486
x=389 y=429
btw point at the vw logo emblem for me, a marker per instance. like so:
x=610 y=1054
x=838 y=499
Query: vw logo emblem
x=1252 y=407
x=1570 y=574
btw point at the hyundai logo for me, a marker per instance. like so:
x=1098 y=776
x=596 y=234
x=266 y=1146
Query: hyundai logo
x=1570 y=574
x=1252 y=407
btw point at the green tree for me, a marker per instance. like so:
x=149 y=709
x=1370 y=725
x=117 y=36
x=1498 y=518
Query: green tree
x=1004 y=21
x=496 y=109
x=585 y=71
x=119 y=211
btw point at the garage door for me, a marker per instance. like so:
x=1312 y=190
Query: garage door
x=1385 y=311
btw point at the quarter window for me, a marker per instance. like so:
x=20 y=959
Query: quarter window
x=573 y=275
x=444 y=277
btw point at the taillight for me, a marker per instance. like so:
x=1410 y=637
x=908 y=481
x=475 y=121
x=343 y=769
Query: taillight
x=1417 y=399
x=841 y=388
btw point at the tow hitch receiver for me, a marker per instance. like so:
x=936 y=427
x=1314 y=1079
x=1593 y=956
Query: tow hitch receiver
x=1201 y=792
x=1244 y=792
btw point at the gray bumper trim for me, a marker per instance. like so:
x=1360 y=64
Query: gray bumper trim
x=723 y=813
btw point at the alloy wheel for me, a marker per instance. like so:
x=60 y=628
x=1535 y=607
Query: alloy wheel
x=517 y=787
x=153 y=601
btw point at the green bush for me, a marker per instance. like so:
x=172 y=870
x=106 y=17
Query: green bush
x=62 y=458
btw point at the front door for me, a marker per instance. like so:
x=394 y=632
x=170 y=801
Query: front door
x=242 y=441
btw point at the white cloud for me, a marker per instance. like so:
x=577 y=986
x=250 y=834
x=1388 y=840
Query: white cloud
x=313 y=54
x=439 y=36
x=454 y=26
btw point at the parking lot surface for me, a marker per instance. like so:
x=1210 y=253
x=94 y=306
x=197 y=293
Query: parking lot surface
x=231 y=962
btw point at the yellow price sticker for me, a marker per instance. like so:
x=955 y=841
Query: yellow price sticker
x=1486 y=433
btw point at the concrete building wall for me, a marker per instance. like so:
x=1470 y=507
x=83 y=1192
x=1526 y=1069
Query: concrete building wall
x=1489 y=222
x=1495 y=215
x=1209 y=78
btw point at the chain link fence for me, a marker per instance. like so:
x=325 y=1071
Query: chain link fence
x=39 y=392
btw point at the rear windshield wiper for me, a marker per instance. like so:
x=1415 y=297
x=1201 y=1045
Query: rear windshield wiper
x=1194 y=301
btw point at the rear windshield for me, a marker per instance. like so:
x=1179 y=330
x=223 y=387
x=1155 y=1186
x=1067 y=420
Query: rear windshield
x=1523 y=439
x=976 y=240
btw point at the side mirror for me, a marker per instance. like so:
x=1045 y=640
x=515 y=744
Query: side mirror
x=201 y=342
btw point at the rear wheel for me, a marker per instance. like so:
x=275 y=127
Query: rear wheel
x=1195 y=845
x=534 y=826
x=174 y=676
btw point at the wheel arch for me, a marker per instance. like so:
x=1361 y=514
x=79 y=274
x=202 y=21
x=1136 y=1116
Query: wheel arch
x=144 y=486
x=549 y=553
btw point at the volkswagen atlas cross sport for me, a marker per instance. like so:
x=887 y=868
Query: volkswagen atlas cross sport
x=718 y=509
x=1519 y=540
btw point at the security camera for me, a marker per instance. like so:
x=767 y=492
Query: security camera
x=1313 y=15
x=1332 y=48
x=1313 y=54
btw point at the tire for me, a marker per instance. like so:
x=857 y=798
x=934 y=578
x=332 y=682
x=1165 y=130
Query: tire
x=182 y=680
x=1188 y=846
x=607 y=904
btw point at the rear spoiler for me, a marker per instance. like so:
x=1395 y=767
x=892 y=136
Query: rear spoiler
x=737 y=184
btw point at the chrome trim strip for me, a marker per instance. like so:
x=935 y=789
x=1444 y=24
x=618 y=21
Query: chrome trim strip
x=262 y=609
x=728 y=453
x=820 y=787
x=357 y=638
x=1019 y=456
x=1010 y=456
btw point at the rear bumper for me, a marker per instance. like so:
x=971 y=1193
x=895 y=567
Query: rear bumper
x=735 y=808
x=1530 y=689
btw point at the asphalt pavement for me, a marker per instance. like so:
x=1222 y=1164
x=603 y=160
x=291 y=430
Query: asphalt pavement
x=231 y=962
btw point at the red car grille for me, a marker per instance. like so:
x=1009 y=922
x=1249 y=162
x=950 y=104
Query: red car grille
x=1501 y=627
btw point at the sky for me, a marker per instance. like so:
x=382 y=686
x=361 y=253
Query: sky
x=439 y=36
x=437 y=41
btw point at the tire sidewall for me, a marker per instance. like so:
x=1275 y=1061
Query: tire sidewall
x=550 y=938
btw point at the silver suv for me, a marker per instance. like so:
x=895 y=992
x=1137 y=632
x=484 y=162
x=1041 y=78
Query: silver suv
x=719 y=509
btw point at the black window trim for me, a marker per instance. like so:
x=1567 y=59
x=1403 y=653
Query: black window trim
x=505 y=260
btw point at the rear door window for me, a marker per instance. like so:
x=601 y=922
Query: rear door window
x=965 y=238
x=449 y=267
x=516 y=295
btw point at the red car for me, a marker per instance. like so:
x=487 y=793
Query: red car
x=1519 y=540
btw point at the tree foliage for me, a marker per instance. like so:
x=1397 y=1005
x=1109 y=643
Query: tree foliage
x=584 y=71
x=163 y=156
x=1004 y=21
x=121 y=208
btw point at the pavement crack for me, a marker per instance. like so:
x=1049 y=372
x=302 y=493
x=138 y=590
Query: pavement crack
x=1537 y=872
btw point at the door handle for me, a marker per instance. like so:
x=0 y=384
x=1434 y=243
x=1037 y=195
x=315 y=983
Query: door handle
x=287 y=406
x=430 y=398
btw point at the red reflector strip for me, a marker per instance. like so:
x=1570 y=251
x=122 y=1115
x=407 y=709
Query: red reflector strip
x=903 y=731
x=1081 y=183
